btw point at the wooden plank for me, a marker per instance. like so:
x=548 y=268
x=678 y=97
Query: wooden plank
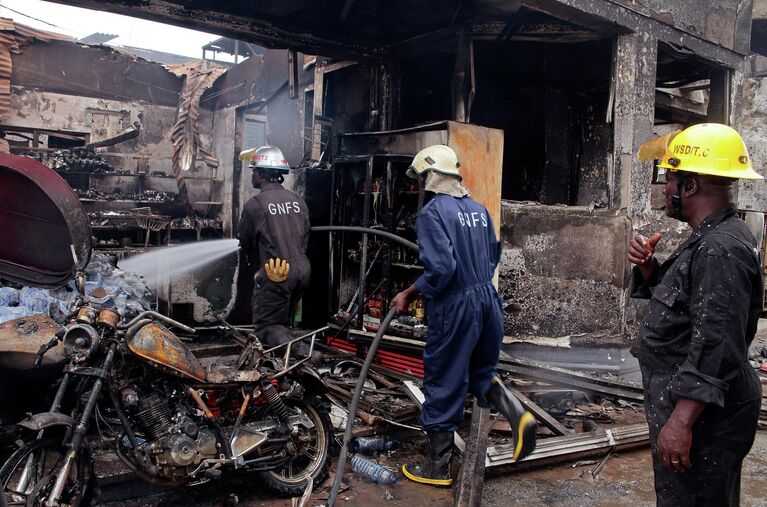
x=471 y=480
x=560 y=376
x=540 y=414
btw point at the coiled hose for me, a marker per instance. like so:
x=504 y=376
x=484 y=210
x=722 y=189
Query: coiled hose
x=368 y=359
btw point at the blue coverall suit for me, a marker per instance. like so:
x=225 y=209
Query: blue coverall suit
x=459 y=251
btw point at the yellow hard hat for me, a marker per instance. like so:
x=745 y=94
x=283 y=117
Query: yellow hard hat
x=438 y=158
x=709 y=148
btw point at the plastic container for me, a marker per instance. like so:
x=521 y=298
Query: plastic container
x=379 y=443
x=37 y=301
x=372 y=470
x=9 y=296
x=126 y=442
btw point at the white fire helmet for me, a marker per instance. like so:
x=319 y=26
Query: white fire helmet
x=267 y=157
x=438 y=158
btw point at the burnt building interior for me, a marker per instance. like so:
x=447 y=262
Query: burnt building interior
x=572 y=88
x=547 y=91
x=547 y=103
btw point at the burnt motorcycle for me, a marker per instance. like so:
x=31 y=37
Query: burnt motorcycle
x=137 y=388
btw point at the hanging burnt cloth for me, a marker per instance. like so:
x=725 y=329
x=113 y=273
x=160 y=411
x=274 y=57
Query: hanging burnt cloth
x=185 y=135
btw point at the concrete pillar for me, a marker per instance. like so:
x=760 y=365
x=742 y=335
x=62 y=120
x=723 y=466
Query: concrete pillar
x=635 y=59
x=719 y=97
x=319 y=100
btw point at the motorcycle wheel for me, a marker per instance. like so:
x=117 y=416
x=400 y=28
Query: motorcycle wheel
x=314 y=459
x=29 y=473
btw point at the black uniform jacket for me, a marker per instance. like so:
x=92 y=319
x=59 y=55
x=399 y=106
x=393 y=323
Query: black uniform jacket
x=275 y=224
x=705 y=301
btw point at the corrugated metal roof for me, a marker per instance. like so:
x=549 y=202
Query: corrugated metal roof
x=42 y=35
x=13 y=38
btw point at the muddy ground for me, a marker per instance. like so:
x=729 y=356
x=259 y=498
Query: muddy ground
x=626 y=480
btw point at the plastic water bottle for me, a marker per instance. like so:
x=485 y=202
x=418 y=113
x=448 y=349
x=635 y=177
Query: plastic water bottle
x=379 y=443
x=126 y=442
x=372 y=470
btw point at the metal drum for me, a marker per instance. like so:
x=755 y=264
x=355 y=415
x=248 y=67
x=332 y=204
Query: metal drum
x=86 y=315
x=108 y=318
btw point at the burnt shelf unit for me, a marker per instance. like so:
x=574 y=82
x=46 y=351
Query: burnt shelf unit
x=370 y=188
x=372 y=191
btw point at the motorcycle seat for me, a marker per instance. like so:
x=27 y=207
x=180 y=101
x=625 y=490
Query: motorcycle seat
x=228 y=374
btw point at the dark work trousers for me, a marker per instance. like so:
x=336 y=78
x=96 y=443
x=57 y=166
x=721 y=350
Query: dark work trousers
x=463 y=342
x=721 y=438
x=274 y=304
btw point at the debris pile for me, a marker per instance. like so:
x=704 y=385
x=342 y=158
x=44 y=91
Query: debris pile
x=79 y=158
x=757 y=356
x=196 y=223
x=105 y=286
x=582 y=413
x=145 y=196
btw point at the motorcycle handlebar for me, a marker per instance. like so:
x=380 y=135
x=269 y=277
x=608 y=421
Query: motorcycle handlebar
x=157 y=316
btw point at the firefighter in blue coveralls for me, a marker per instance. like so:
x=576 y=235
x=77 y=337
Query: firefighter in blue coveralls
x=459 y=252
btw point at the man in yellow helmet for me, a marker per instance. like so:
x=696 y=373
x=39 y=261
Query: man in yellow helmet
x=702 y=397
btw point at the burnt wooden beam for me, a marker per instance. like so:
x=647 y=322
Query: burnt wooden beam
x=236 y=27
x=471 y=480
x=544 y=417
x=719 y=97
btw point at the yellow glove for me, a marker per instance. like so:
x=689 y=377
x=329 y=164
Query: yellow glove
x=277 y=270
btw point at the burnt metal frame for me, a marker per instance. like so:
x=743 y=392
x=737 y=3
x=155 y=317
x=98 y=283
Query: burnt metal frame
x=336 y=195
x=37 y=132
x=288 y=346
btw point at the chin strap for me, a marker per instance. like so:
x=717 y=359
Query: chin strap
x=676 y=200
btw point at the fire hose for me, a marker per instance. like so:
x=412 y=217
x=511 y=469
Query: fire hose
x=368 y=359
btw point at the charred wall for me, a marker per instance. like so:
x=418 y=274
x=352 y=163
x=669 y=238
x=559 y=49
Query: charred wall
x=101 y=118
x=99 y=91
x=723 y=22
x=752 y=125
x=563 y=271
x=259 y=85
x=94 y=71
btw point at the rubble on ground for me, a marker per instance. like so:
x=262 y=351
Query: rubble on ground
x=599 y=415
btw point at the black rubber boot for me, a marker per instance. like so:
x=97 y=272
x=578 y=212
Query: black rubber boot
x=434 y=469
x=522 y=422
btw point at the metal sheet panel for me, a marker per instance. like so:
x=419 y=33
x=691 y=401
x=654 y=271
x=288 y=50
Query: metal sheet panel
x=479 y=149
x=480 y=152
x=21 y=339
x=43 y=224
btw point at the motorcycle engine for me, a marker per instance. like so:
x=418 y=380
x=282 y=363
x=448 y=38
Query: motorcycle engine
x=175 y=443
